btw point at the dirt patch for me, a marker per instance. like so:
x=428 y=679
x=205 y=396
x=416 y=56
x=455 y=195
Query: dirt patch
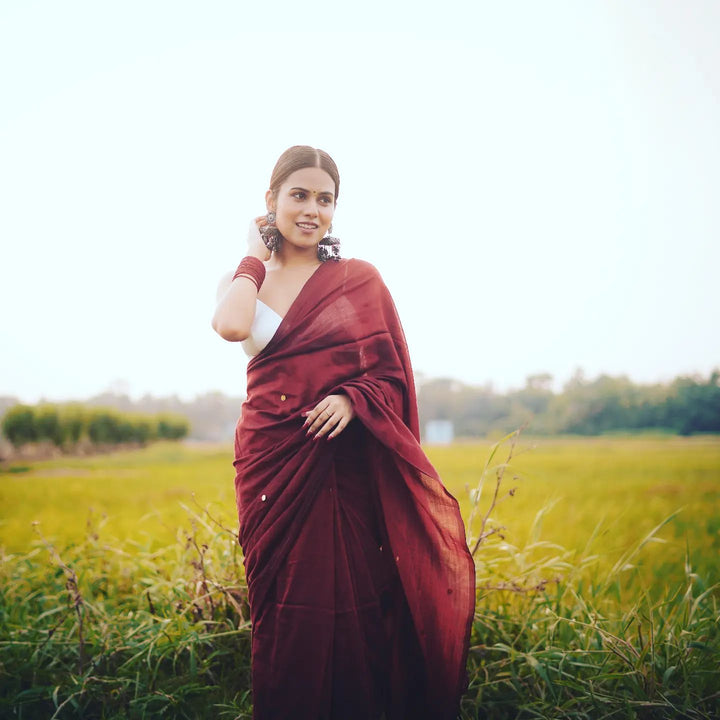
x=665 y=489
x=81 y=472
x=58 y=472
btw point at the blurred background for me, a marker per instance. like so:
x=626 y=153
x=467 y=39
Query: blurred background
x=537 y=184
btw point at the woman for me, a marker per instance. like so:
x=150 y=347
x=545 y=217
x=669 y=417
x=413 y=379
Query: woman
x=360 y=582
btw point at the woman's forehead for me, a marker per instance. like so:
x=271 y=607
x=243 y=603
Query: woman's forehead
x=313 y=179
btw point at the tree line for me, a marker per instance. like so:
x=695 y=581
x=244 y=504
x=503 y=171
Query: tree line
x=70 y=424
x=687 y=405
x=212 y=416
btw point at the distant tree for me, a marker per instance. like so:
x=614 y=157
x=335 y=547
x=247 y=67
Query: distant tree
x=48 y=425
x=541 y=382
x=18 y=425
x=172 y=426
x=144 y=429
x=104 y=426
x=73 y=421
x=536 y=395
x=695 y=405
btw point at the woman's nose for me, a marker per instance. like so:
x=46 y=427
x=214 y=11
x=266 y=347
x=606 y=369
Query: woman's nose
x=311 y=207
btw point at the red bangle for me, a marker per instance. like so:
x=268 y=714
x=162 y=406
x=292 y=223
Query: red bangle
x=253 y=269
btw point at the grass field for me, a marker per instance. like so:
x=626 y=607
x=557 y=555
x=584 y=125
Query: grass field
x=122 y=590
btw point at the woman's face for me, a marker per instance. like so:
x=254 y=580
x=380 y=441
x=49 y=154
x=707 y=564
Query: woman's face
x=304 y=206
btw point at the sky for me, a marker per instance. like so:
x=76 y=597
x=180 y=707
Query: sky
x=537 y=183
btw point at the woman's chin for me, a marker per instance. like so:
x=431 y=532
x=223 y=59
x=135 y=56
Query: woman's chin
x=304 y=243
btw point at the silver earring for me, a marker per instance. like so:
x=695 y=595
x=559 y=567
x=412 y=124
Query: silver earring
x=270 y=234
x=329 y=247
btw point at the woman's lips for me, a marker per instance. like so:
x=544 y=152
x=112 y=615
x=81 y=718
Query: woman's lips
x=307 y=226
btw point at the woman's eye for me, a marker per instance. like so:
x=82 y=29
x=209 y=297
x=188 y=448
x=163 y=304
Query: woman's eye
x=325 y=200
x=299 y=195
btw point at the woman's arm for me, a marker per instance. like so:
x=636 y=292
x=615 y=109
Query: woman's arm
x=236 y=298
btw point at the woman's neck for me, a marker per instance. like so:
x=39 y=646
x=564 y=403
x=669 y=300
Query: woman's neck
x=290 y=256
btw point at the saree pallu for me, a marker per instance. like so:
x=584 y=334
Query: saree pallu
x=360 y=583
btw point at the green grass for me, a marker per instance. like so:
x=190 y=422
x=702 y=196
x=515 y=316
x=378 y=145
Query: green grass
x=608 y=488
x=142 y=493
x=121 y=597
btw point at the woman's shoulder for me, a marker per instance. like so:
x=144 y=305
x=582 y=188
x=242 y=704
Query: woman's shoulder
x=361 y=268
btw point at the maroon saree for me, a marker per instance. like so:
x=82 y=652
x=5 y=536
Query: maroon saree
x=360 y=582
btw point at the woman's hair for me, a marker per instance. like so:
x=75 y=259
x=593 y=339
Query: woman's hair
x=303 y=156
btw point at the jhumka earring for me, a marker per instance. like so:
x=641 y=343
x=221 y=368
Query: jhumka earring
x=270 y=234
x=329 y=247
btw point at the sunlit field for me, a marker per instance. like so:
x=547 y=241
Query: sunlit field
x=123 y=596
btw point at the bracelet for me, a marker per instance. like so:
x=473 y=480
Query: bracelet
x=251 y=268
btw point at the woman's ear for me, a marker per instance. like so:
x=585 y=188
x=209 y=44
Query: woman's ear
x=270 y=201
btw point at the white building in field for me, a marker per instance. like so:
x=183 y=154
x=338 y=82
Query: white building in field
x=439 y=432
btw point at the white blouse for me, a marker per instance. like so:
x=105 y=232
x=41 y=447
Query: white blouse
x=265 y=325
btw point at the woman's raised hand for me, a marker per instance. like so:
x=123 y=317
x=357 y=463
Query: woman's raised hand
x=256 y=246
x=332 y=413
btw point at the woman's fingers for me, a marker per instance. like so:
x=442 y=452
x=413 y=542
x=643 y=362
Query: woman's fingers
x=327 y=418
x=339 y=428
x=256 y=246
x=333 y=413
x=317 y=417
x=328 y=425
